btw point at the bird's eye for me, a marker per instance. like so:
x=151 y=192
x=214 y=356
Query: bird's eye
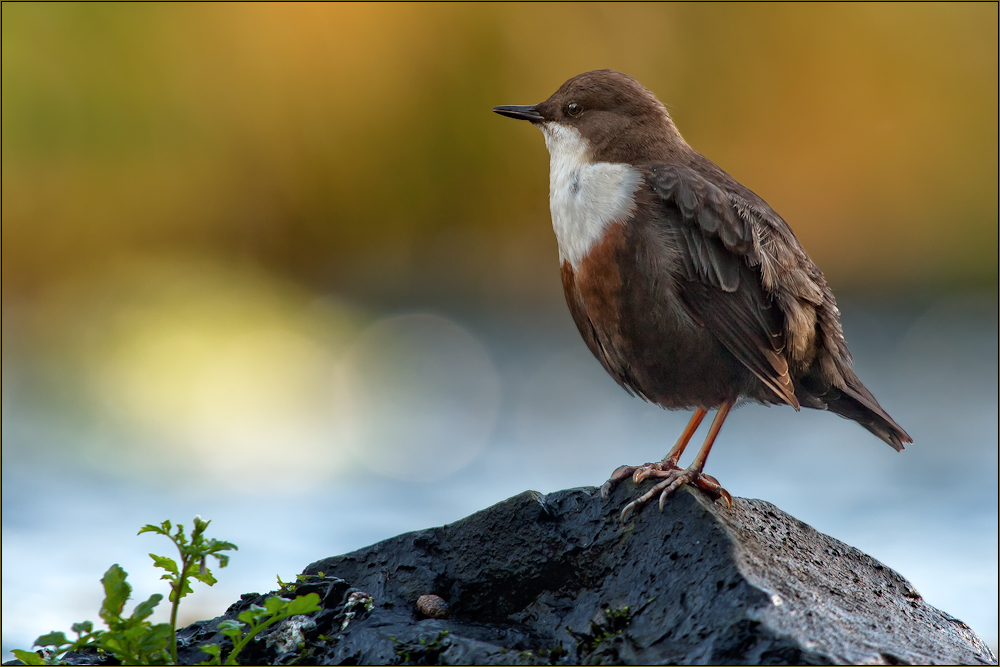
x=574 y=109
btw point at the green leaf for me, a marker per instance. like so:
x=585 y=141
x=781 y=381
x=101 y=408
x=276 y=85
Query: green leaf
x=86 y=640
x=214 y=651
x=275 y=604
x=28 y=657
x=52 y=639
x=155 y=639
x=116 y=592
x=205 y=578
x=218 y=545
x=211 y=649
x=229 y=624
x=133 y=631
x=111 y=642
x=184 y=591
x=304 y=604
x=150 y=528
x=252 y=614
x=192 y=569
x=82 y=628
x=232 y=629
x=144 y=609
x=164 y=563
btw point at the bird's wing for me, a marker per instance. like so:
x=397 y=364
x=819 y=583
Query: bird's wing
x=721 y=271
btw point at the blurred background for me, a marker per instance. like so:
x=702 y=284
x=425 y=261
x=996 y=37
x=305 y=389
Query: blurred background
x=279 y=265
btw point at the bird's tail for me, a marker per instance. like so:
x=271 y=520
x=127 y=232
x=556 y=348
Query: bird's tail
x=856 y=403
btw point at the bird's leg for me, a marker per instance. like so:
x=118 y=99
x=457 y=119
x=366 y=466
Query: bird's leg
x=669 y=462
x=692 y=475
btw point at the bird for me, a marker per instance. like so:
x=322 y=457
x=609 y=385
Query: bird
x=686 y=286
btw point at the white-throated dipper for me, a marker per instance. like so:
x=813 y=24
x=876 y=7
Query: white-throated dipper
x=686 y=286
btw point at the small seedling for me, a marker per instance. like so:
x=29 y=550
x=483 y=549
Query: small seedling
x=134 y=640
x=258 y=619
x=614 y=623
x=421 y=652
x=193 y=554
x=290 y=586
x=555 y=655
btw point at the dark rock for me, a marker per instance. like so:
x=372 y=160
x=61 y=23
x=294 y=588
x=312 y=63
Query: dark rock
x=557 y=579
x=549 y=578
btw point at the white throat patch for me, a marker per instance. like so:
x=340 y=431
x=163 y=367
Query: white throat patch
x=585 y=197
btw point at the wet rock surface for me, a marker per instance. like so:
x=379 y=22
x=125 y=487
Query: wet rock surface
x=557 y=579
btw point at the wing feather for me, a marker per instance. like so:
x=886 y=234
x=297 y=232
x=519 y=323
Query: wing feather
x=723 y=287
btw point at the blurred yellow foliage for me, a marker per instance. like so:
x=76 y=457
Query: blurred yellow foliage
x=351 y=148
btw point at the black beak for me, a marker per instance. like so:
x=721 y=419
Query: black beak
x=520 y=112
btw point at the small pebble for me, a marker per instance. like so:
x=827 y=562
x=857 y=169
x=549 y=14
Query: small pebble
x=432 y=606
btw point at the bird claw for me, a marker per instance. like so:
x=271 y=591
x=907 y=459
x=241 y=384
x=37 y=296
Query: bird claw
x=674 y=479
x=641 y=474
x=664 y=468
x=673 y=486
x=621 y=473
x=711 y=486
x=637 y=473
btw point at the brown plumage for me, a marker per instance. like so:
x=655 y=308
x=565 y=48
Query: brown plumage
x=687 y=287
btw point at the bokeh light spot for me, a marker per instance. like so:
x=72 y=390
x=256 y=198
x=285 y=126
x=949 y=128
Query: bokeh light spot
x=423 y=395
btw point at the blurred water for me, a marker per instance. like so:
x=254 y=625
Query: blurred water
x=489 y=405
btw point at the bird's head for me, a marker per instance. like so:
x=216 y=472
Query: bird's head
x=608 y=115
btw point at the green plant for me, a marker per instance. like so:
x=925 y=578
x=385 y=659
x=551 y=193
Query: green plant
x=134 y=640
x=614 y=624
x=193 y=551
x=258 y=618
x=290 y=586
x=421 y=652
